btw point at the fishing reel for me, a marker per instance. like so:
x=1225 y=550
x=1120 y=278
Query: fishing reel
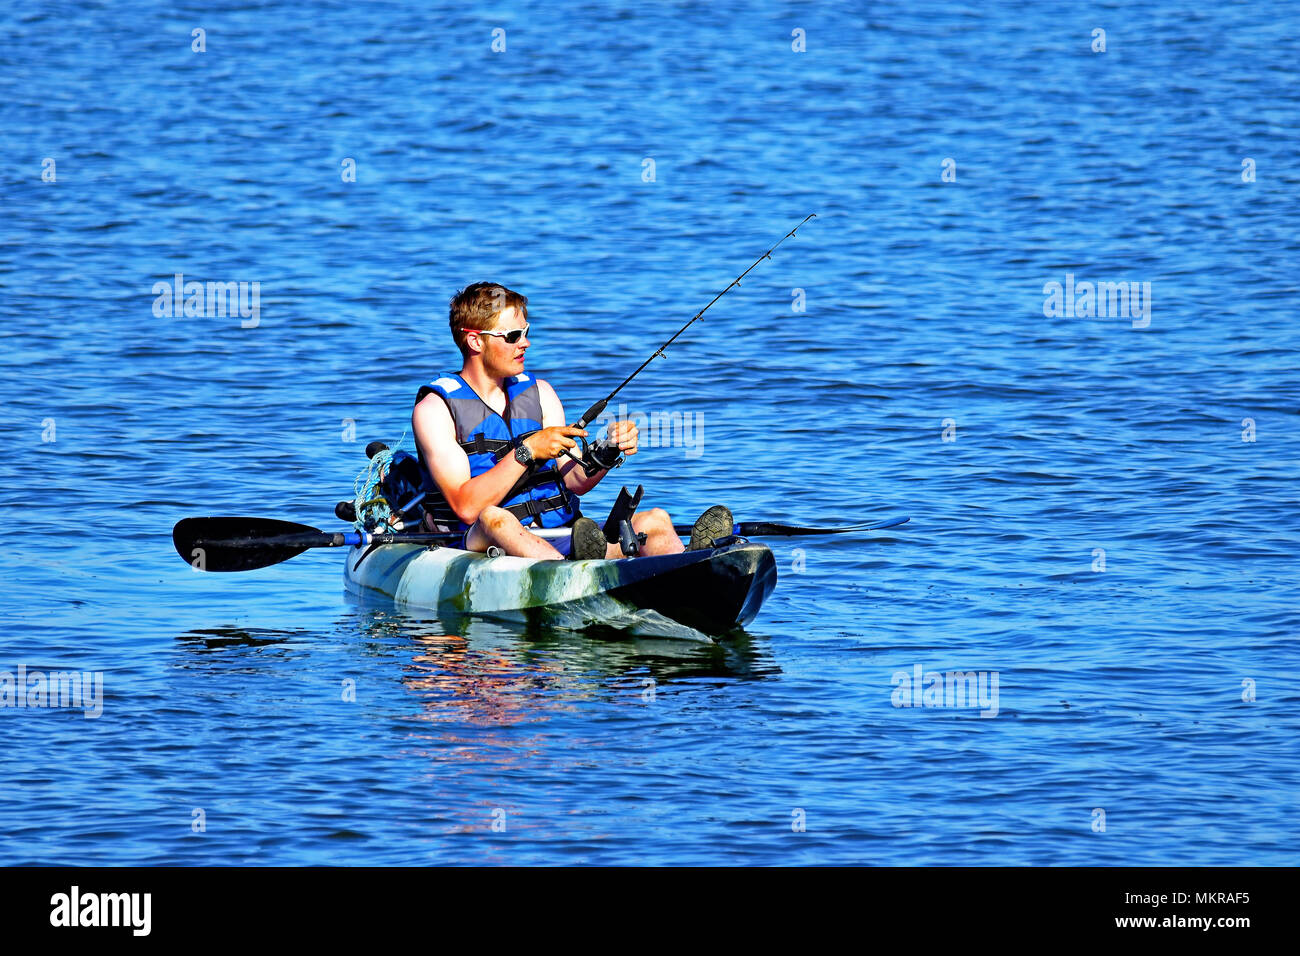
x=599 y=455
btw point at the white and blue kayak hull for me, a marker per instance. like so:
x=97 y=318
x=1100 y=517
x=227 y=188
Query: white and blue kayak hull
x=695 y=595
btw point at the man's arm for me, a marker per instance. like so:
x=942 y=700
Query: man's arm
x=575 y=476
x=435 y=434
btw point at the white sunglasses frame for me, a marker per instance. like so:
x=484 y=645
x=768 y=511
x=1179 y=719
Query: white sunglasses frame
x=502 y=334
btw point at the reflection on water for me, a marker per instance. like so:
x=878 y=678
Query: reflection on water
x=217 y=638
x=481 y=672
x=501 y=712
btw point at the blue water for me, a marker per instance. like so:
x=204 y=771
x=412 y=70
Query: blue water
x=225 y=736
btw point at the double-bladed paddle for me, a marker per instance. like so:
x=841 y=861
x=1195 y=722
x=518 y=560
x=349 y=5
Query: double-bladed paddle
x=245 y=544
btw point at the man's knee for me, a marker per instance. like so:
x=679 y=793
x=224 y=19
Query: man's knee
x=496 y=518
x=656 y=519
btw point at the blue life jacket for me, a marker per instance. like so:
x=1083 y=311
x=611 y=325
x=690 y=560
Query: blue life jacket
x=487 y=437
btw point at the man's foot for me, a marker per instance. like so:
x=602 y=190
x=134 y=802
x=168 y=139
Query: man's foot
x=716 y=523
x=588 y=541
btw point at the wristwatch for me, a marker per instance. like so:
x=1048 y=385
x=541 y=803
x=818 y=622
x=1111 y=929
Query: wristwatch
x=523 y=455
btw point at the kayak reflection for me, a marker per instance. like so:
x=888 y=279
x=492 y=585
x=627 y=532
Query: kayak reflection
x=467 y=668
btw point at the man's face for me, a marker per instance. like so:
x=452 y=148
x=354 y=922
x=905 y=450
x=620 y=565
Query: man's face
x=500 y=358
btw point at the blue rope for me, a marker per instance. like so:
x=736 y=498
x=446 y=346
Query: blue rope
x=374 y=513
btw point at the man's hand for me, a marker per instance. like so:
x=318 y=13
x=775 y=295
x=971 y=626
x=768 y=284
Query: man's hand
x=553 y=442
x=624 y=434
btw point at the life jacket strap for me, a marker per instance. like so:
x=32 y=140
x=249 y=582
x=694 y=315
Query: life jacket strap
x=535 y=508
x=548 y=476
x=480 y=445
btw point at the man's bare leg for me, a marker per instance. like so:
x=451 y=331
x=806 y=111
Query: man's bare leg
x=498 y=526
x=660 y=538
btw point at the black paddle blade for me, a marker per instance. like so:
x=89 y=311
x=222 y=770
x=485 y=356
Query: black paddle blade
x=239 y=544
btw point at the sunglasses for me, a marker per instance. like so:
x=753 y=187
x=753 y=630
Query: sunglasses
x=511 y=337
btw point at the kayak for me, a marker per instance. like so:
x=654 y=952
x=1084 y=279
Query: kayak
x=694 y=595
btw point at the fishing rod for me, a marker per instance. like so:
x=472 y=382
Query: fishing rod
x=591 y=414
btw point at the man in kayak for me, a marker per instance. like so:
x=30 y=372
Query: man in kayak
x=491 y=440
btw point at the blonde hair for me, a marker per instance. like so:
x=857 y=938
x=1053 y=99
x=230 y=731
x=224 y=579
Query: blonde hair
x=477 y=306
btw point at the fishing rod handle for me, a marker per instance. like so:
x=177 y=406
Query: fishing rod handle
x=591 y=414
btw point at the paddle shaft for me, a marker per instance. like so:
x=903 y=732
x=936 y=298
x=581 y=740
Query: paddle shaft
x=769 y=528
x=347 y=539
x=326 y=539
